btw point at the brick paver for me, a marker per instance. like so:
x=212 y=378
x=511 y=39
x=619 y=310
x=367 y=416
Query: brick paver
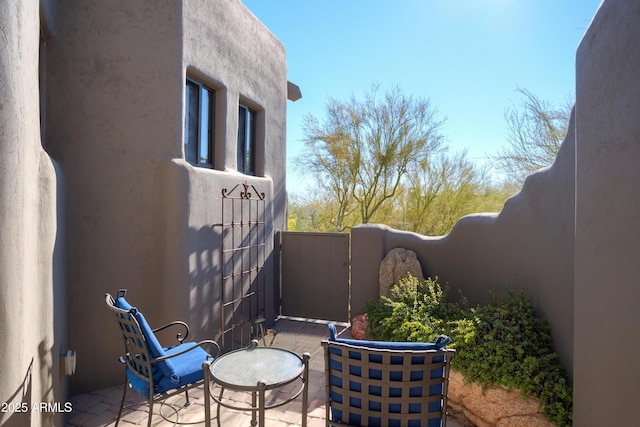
x=100 y=408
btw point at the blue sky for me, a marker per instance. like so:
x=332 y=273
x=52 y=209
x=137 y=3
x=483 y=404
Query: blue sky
x=467 y=56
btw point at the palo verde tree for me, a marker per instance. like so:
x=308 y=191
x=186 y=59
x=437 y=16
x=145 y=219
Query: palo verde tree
x=439 y=192
x=363 y=148
x=534 y=134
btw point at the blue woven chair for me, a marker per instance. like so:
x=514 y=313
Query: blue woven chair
x=386 y=384
x=153 y=371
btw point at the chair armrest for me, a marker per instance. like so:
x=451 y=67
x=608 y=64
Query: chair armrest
x=195 y=345
x=179 y=336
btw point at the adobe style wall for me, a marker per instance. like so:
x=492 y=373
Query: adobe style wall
x=226 y=47
x=571 y=236
x=138 y=216
x=607 y=260
x=32 y=299
x=528 y=244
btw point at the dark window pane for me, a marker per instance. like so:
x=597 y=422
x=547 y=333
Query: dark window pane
x=199 y=124
x=246 y=140
x=206 y=126
x=191 y=119
x=242 y=136
x=251 y=142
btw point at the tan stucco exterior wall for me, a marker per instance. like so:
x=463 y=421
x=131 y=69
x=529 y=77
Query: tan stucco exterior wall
x=114 y=87
x=32 y=315
x=119 y=207
x=246 y=64
x=607 y=261
x=138 y=216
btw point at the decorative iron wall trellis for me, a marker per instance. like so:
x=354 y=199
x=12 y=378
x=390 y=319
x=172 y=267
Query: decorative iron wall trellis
x=243 y=236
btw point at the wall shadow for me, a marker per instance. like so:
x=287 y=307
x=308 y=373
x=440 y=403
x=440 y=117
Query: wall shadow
x=231 y=278
x=17 y=413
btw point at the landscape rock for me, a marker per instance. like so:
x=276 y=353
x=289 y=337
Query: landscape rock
x=398 y=264
x=359 y=326
x=494 y=407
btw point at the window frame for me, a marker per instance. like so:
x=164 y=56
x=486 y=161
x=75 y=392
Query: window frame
x=247 y=140
x=194 y=155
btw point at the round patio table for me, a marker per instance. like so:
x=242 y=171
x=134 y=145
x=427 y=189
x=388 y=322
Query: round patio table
x=258 y=369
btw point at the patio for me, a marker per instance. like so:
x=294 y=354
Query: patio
x=100 y=408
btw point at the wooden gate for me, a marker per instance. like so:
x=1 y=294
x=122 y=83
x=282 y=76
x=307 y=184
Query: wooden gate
x=315 y=275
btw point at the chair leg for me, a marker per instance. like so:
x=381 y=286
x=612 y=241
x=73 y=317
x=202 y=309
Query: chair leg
x=124 y=395
x=186 y=393
x=150 y=411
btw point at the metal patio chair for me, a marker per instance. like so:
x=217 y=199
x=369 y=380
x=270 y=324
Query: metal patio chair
x=385 y=384
x=153 y=371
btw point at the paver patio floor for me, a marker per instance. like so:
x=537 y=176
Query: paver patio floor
x=99 y=408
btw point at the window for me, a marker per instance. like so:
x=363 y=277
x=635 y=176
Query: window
x=198 y=124
x=246 y=140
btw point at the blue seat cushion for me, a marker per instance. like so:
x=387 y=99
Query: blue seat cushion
x=188 y=371
x=188 y=366
x=440 y=343
x=167 y=374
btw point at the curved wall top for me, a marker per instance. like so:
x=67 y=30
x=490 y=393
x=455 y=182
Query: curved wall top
x=528 y=244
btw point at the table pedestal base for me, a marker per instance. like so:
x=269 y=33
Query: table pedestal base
x=258 y=396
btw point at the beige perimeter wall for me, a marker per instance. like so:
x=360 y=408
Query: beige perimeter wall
x=528 y=244
x=571 y=236
x=32 y=298
x=607 y=261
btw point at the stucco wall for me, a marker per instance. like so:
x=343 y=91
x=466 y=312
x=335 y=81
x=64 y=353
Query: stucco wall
x=31 y=281
x=114 y=111
x=528 y=244
x=227 y=48
x=576 y=250
x=138 y=216
x=607 y=377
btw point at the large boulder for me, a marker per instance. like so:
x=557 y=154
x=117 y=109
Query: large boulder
x=495 y=407
x=398 y=264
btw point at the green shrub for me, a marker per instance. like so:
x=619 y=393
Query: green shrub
x=501 y=343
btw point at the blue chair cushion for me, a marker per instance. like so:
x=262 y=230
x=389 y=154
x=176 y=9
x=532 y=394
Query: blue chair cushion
x=440 y=343
x=188 y=371
x=167 y=374
x=356 y=371
x=188 y=366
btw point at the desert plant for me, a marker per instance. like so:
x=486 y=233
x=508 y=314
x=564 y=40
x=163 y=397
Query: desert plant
x=417 y=310
x=501 y=343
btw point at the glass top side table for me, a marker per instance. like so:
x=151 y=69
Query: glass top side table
x=256 y=369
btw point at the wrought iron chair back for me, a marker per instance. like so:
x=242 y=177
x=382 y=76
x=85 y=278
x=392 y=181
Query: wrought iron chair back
x=137 y=357
x=385 y=387
x=154 y=371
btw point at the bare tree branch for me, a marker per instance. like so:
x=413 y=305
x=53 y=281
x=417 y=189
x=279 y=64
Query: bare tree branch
x=534 y=135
